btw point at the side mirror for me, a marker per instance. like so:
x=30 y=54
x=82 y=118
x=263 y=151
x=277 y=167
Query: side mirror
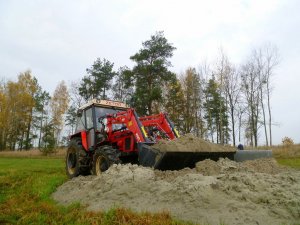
x=79 y=113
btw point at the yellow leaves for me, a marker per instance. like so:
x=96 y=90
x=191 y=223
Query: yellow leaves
x=2 y=107
x=16 y=105
x=59 y=103
x=29 y=86
x=287 y=141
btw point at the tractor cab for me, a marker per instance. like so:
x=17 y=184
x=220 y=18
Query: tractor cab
x=91 y=120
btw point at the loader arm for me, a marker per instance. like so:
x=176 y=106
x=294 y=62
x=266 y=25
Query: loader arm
x=132 y=122
x=162 y=123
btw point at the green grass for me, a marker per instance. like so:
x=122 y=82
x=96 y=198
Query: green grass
x=292 y=162
x=287 y=155
x=25 y=198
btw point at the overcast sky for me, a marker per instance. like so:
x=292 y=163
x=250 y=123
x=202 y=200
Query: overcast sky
x=57 y=40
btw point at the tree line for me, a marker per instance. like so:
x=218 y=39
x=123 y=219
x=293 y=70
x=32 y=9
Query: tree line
x=29 y=114
x=220 y=101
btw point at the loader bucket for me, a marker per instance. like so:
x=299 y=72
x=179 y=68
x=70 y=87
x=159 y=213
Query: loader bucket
x=176 y=160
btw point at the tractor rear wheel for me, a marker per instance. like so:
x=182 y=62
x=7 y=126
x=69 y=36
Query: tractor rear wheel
x=77 y=161
x=103 y=158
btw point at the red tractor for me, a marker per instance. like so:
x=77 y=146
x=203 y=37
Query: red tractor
x=110 y=132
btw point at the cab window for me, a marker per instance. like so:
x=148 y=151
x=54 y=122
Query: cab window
x=80 y=125
x=89 y=118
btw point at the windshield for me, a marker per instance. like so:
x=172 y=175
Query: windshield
x=103 y=112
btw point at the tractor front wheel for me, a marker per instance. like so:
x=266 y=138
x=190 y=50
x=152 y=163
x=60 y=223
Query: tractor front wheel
x=103 y=158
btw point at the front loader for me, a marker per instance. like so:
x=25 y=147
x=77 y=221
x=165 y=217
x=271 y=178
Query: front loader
x=109 y=132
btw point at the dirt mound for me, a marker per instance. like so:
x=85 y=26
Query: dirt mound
x=189 y=142
x=257 y=192
x=209 y=167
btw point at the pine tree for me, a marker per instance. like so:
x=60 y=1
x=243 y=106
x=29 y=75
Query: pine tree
x=151 y=72
x=97 y=82
x=215 y=111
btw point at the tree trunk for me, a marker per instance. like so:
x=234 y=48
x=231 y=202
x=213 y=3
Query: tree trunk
x=21 y=142
x=264 y=117
x=218 y=133
x=3 y=143
x=41 y=127
x=103 y=96
x=28 y=131
x=197 y=124
x=233 y=125
x=253 y=127
x=256 y=122
x=270 y=115
x=150 y=107
x=221 y=126
x=211 y=132
x=240 y=126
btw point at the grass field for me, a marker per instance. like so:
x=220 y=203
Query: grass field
x=290 y=162
x=25 y=197
x=287 y=155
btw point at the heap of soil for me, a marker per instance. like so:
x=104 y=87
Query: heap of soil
x=190 y=143
x=265 y=165
x=223 y=192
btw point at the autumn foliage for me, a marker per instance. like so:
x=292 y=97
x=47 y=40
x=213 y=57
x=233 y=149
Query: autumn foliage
x=25 y=114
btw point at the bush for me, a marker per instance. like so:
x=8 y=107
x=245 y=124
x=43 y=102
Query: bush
x=287 y=142
x=48 y=140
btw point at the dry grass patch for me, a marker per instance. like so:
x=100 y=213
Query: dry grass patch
x=286 y=151
x=33 y=153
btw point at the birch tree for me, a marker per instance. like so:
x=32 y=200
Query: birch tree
x=250 y=90
x=59 y=106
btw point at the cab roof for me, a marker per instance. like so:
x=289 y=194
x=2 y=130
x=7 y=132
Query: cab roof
x=105 y=104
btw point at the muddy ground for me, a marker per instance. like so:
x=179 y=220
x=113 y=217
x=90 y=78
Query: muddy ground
x=223 y=192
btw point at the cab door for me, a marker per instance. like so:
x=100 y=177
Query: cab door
x=90 y=128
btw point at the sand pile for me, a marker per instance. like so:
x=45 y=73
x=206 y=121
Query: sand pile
x=267 y=165
x=257 y=192
x=189 y=142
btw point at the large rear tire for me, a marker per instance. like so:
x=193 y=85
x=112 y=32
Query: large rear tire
x=77 y=160
x=103 y=158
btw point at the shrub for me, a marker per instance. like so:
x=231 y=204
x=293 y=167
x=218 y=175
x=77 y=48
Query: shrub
x=287 y=142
